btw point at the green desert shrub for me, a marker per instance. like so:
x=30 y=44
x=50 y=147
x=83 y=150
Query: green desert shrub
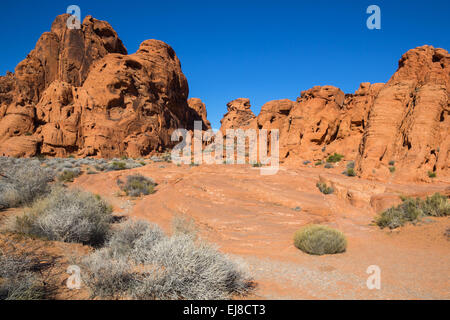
x=320 y=240
x=69 y=175
x=392 y=169
x=392 y=163
x=322 y=186
x=21 y=184
x=69 y=216
x=411 y=210
x=328 y=166
x=137 y=185
x=141 y=262
x=431 y=174
x=336 y=157
x=318 y=163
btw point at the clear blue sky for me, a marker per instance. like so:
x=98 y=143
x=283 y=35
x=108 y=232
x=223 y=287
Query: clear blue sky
x=263 y=50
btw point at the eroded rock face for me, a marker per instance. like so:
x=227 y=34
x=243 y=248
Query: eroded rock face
x=409 y=121
x=239 y=115
x=78 y=92
x=404 y=123
x=199 y=107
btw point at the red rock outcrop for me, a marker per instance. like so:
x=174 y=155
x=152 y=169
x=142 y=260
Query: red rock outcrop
x=78 y=92
x=409 y=121
x=405 y=121
x=239 y=115
x=199 y=107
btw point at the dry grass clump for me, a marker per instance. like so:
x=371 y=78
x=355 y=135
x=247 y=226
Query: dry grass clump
x=69 y=216
x=411 y=210
x=320 y=240
x=22 y=183
x=322 y=186
x=19 y=278
x=137 y=185
x=141 y=262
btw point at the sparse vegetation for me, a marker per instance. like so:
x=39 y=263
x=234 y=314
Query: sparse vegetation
x=142 y=263
x=328 y=165
x=336 y=157
x=306 y=162
x=411 y=210
x=19 y=279
x=392 y=163
x=431 y=174
x=320 y=240
x=350 y=172
x=117 y=165
x=69 y=175
x=185 y=225
x=22 y=184
x=137 y=185
x=392 y=169
x=257 y=165
x=318 y=163
x=324 y=188
x=68 y=216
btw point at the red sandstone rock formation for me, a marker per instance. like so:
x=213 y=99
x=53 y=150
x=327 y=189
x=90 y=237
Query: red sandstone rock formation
x=239 y=115
x=78 y=92
x=405 y=121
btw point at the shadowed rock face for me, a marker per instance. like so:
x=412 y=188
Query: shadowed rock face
x=406 y=121
x=78 y=92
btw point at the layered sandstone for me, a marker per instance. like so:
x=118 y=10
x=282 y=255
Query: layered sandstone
x=78 y=92
x=404 y=123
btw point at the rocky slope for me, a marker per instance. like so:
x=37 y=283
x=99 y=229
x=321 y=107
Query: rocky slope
x=404 y=123
x=78 y=92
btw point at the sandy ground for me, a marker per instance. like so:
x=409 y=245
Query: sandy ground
x=253 y=218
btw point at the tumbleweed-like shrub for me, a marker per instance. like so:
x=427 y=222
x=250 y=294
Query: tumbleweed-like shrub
x=137 y=185
x=69 y=216
x=141 y=262
x=22 y=183
x=320 y=240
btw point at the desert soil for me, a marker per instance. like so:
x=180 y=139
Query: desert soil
x=253 y=218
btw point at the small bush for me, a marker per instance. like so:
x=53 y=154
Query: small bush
x=336 y=157
x=350 y=172
x=431 y=174
x=22 y=183
x=257 y=165
x=117 y=165
x=134 y=239
x=306 y=162
x=328 y=166
x=137 y=185
x=182 y=224
x=319 y=240
x=107 y=276
x=140 y=262
x=392 y=169
x=69 y=175
x=411 y=210
x=351 y=165
x=324 y=188
x=69 y=216
x=392 y=163
x=318 y=163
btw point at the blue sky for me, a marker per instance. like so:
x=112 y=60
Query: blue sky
x=262 y=50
